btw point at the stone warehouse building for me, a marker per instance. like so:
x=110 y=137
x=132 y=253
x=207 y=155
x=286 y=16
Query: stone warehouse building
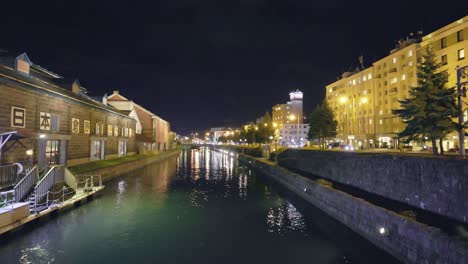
x=152 y=132
x=363 y=99
x=56 y=122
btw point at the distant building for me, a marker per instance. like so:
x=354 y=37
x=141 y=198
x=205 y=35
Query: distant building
x=289 y=112
x=217 y=132
x=152 y=132
x=293 y=135
x=56 y=122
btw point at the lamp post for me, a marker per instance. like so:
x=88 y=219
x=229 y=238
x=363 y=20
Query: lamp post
x=292 y=118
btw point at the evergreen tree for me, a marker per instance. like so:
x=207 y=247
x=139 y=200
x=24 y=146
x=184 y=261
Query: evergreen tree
x=322 y=123
x=429 y=110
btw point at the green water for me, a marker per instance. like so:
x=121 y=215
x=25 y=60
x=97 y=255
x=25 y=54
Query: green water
x=201 y=207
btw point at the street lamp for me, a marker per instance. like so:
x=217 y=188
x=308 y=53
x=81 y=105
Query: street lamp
x=292 y=118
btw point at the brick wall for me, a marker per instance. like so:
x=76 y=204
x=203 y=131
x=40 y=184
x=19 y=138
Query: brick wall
x=79 y=143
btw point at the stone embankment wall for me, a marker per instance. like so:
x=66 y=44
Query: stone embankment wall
x=108 y=173
x=407 y=240
x=439 y=185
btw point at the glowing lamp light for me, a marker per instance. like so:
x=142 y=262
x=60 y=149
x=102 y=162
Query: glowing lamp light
x=29 y=152
x=364 y=100
x=343 y=99
x=382 y=230
x=42 y=136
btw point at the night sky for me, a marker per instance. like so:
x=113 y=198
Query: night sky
x=200 y=64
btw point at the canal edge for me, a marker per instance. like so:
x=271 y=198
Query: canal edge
x=407 y=240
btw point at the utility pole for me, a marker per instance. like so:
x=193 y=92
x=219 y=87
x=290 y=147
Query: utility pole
x=461 y=92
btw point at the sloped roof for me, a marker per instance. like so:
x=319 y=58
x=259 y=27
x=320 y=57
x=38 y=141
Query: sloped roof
x=10 y=75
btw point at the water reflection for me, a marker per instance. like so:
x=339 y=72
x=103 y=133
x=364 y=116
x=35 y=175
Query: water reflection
x=284 y=219
x=199 y=207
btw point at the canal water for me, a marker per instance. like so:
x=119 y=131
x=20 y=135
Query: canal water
x=200 y=207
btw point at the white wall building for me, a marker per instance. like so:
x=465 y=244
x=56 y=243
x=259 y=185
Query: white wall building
x=293 y=135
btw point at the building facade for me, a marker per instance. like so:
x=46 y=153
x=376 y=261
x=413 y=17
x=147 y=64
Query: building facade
x=289 y=112
x=152 y=132
x=56 y=122
x=363 y=100
x=293 y=135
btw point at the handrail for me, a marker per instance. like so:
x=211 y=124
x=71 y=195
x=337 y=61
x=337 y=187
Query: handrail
x=46 y=182
x=94 y=180
x=23 y=187
x=4 y=200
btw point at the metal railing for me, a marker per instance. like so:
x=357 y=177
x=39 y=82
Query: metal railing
x=25 y=185
x=8 y=174
x=54 y=175
x=89 y=181
x=7 y=198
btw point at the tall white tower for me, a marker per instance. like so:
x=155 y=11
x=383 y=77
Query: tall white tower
x=296 y=104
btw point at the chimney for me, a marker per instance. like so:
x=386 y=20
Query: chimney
x=104 y=99
x=76 y=87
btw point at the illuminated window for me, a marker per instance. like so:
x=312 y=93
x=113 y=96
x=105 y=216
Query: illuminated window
x=410 y=53
x=403 y=77
x=380 y=121
x=369 y=76
x=87 y=127
x=52 y=152
x=75 y=125
x=410 y=64
x=97 y=150
x=394 y=80
x=394 y=60
x=461 y=54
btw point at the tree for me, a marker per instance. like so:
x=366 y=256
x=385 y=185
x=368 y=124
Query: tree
x=430 y=109
x=265 y=129
x=322 y=123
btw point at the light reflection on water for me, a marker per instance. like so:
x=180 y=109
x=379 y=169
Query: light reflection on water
x=200 y=207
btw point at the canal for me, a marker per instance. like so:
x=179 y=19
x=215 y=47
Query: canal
x=201 y=207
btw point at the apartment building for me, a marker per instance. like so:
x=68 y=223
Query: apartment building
x=363 y=99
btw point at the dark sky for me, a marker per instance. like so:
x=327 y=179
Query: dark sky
x=200 y=64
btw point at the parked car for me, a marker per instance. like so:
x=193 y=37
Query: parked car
x=347 y=147
x=333 y=145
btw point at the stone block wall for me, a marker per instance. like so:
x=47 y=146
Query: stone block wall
x=439 y=185
x=409 y=241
